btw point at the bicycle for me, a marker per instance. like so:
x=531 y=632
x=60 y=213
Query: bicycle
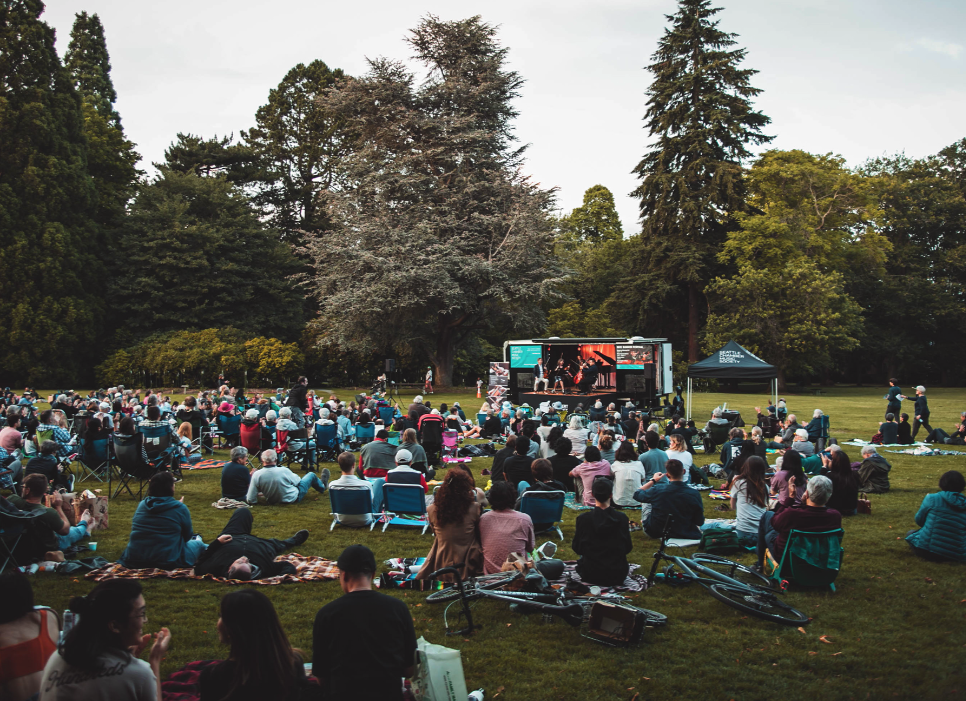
x=730 y=582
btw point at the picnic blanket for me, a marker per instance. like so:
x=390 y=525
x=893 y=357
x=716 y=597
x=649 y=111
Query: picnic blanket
x=859 y=443
x=719 y=495
x=182 y=684
x=310 y=569
x=570 y=501
x=924 y=451
x=226 y=503
x=203 y=465
x=634 y=582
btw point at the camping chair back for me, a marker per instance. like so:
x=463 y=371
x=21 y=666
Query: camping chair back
x=267 y=437
x=823 y=436
x=365 y=433
x=327 y=440
x=393 y=437
x=719 y=433
x=251 y=438
x=544 y=507
x=157 y=441
x=350 y=502
x=408 y=499
x=14 y=525
x=480 y=419
x=431 y=433
x=387 y=415
x=771 y=427
x=811 y=559
x=229 y=425
x=129 y=464
x=95 y=458
x=42 y=436
x=451 y=439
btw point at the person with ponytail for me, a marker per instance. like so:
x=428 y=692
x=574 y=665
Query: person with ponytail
x=98 y=659
x=262 y=664
x=749 y=497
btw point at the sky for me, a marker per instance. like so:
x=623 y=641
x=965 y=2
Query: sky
x=859 y=78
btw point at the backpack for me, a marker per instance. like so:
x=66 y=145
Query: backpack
x=723 y=541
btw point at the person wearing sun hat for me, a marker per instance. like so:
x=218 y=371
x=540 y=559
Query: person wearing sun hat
x=364 y=642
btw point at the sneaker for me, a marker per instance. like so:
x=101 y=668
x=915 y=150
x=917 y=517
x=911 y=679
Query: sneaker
x=324 y=479
x=298 y=538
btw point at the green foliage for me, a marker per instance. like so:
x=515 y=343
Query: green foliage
x=298 y=144
x=573 y=321
x=89 y=65
x=51 y=286
x=196 y=255
x=208 y=157
x=595 y=221
x=271 y=359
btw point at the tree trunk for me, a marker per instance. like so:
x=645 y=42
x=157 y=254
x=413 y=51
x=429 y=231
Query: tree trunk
x=693 y=299
x=443 y=358
x=781 y=381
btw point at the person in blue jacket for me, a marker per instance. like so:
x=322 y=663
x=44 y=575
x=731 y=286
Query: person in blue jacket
x=161 y=534
x=942 y=518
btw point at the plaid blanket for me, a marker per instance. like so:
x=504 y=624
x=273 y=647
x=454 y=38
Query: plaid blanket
x=182 y=685
x=634 y=582
x=924 y=451
x=203 y=465
x=310 y=569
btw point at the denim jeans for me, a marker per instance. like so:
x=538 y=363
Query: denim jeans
x=766 y=538
x=193 y=549
x=310 y=480
x=73 y=535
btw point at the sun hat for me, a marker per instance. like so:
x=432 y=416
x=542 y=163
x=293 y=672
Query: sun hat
x=225 y=407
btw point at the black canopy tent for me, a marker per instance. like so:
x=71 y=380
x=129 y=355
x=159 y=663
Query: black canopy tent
x=732 y=363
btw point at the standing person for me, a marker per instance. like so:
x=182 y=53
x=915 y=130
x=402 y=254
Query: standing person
x=894 y=398
x=558 y=376
x=921 y=413
x=363 y=643
x=428 y=384
x=539 y=376
x=602 y=539
x=298 y=401
x=98 y=659
x=262 y=663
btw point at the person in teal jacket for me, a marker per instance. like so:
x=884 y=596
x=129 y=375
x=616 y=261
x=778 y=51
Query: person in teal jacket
x=161 y=534
x=942 y=518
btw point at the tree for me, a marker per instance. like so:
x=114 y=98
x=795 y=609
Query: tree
x=700 y=113
x=271 y=359
x=51 y=290
x=595 y=221
x=89 y=65
x=436 y=234
x=196 y=256
x=298 y=145
x=209 y=157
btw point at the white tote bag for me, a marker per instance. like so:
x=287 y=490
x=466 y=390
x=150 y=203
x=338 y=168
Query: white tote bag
x=439 y=673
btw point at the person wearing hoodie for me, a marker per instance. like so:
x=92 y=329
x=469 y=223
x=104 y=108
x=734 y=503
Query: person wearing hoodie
x=672 y=499
x=942 y=521
x=602 y=539
x=873 y=472
x=593 y=466
x=161 y=534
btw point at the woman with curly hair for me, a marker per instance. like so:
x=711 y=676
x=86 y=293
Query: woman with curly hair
x=454 y=517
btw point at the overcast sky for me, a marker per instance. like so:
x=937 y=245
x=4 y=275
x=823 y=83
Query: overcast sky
x=860 y=78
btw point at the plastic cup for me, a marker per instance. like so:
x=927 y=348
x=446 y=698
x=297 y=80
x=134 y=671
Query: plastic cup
x=92 y=546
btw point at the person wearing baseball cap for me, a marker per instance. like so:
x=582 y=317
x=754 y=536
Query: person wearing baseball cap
x=403 y=473
x=364 y=642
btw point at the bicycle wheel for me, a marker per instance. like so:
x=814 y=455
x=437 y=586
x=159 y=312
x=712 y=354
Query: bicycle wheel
x=655 y=619
x=758 y=602
x=735 y=570
x=486 y=581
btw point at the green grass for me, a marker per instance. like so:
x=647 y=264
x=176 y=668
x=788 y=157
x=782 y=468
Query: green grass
x=896 y=624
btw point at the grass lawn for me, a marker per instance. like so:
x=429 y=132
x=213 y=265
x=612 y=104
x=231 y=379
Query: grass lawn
x=896 y=626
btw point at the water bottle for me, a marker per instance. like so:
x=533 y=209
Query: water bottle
x=70 y=620
x=475 y=695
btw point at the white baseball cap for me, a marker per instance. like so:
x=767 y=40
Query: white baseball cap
x=403 y=457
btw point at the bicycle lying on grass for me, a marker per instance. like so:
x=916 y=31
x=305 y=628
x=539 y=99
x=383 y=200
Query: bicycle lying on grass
x=729 y=582
x=538 y=596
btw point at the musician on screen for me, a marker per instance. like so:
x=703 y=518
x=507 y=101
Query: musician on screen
x=539 y=376
x=558 y=375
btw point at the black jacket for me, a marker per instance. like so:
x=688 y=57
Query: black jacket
x=217 y=558
x=922 y=408
x=496 y=470
x=297 y=397
x=603 y=540
x=516 y=469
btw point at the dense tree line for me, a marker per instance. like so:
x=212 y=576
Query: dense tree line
x=386 y=215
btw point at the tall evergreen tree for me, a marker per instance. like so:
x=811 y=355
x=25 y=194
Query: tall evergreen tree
x=700 y=114
x=208 y=157
x=51 y=290
x=89 y=65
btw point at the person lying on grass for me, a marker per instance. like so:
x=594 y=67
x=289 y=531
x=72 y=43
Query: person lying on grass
x=942 y=518
x=237 y=554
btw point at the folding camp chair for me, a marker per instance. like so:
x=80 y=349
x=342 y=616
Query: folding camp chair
x=129 y=466
x=351 y=502
x=480 y=419
x=404 y=499
x=809 y=559
x=366 y=433
x=251 y=439
x=327 y=444
x=229 y=428
x=95 y=459
x=387 y=414
x=544 y=507
x=431 y=438
x=14 y=524
x=393 y=437
x=289 y=454
x=823 y=438
x=451 y=444
x=717 y=435
x=162 y=450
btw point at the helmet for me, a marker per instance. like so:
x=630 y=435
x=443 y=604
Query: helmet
x=551 y=569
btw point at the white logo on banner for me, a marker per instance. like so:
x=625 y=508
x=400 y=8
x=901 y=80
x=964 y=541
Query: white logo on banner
x=730 y=357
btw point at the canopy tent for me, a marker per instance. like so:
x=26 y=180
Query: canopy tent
x=733 y=363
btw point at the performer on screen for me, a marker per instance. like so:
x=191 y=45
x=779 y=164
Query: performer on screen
x=558 y=376
x=539 y=376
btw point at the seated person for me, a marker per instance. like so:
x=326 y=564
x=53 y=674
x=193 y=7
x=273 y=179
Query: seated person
x=161 y=533
x=420 y=462
x=731 y=448
x=27 y=638
x=279 y=485
x=376 y=642
x=96 y=431
x=592 y=467
x=543 y=481
x=508 y=450
x=190 y=413
x=814 y=516
x=154 y=420
x=629 y=475
x=48 y=465
x=286 y=423
x=503 y=530
x=235 y=477
x=874 y=471
x=889 y=430
x=716 y=419
x=516 y=468
x=378 y=456
x=349 y=480
x=845 y=483
x=788 y=466
x=602 y=539
x=814 y=428
x=749 y=498
x=904 y=430
x=60 y=435
x=237 y=554
x=454 y=517
x=942 y=522
x=802 y=445
x=403 y=473
x=673 y=499
x=563 y=462
x=51 y=530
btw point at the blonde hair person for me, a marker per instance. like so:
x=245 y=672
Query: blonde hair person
x=678 y=450
x=184 y=438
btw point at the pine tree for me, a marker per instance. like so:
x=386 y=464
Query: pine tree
x=89 y=65
x=51 y=286
x=700 y=112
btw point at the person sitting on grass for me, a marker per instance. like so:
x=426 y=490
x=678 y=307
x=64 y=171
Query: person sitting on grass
x=749 y=498
x=602 y=539
x=27 y=638
x=378 y=456
x=791 y=466
x=98 y=658
x=889 y=430
x=813 y=516
x=161 y=533
x=874 y=471
x=517 y=467
x=845 y=484
x=237 y=554
x=454 y=517
x=802 y=445
x=904 y=430
x=364 y=642
x=48 y=465
x=235 y=477
x=593 y=466
x=503 y=530
x=629 y=475
x=52 y=531
x=941 y=518
x=262 y=663
x=279 y=485
x=674 y=499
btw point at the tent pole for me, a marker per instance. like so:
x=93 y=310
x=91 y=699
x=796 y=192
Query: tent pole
x=688 y=417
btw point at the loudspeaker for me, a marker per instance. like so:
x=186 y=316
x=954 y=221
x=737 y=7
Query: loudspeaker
x=634 y=383
x=525 y=380
x=390 y=364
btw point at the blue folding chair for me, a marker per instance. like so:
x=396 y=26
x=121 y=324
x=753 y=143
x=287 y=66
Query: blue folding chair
x=544 y=507
x=393 y=437
x=407 y=500
x=351 y=502
x=95 y=459
x=480 y=419
x=229 y=428
x=327 y=442
x=365 y=434
x=387 y=414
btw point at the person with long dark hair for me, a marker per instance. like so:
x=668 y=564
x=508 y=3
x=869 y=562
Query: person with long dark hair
x=749 y=497
x=262 y=663
x=98 y=659
x=28 y=638
x=454 y=517
x=845 y=483
x=791 y=467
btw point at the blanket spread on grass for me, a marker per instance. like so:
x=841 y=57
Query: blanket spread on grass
x=924 y=451
x=203 y=465
x=182 y=685
x=634 y=582
x=859 y=443
x=309 y=569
